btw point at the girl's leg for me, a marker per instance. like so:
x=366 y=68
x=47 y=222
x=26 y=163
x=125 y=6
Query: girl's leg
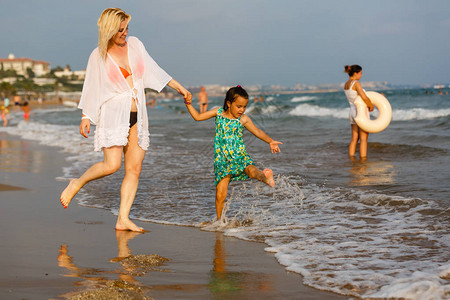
x=221 y=194
x=354 y=140
x=265 y=176
x=363 y=137
x=134 y=155
x=110 y=164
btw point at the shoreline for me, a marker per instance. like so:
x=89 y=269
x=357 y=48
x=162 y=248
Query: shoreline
x=49 y=252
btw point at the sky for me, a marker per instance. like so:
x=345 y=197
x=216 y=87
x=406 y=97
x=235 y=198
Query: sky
x=247 y=42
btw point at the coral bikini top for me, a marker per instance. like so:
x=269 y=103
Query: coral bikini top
x=125 y=73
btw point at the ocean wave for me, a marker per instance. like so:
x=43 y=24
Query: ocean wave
x=262 y=110
x=303 y=98
x=309 y=110
x=419 y=114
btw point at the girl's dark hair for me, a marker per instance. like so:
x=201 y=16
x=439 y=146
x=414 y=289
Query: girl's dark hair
x=232 y=94
x=352 y=69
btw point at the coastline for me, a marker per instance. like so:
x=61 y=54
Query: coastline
x=48 y=252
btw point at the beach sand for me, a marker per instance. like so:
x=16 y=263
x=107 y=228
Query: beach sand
x=51 y=253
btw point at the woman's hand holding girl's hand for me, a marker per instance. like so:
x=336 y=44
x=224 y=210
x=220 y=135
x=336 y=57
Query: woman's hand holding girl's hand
x=186 y=94
x=85 y=125
x=274 y=146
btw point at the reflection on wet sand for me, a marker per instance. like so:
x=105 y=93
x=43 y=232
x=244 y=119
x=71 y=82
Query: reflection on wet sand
x=365 y=172
x=225 y=283
x=96 y=285
x=16 y=156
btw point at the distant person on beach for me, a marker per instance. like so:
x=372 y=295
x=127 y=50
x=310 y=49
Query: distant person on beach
x=231 y=161
x=17 y=100
x=352 y=90
x=203 y=100
x=113 y=99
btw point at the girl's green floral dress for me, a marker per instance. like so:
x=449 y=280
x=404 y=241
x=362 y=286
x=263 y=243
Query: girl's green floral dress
x=230 y=155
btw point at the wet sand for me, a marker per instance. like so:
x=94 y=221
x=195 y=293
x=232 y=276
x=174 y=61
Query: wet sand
x=51 y=253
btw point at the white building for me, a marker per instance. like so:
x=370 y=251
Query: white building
x=77 y=75
x=20 y=65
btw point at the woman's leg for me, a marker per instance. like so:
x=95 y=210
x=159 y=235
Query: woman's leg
x=110 y=164
x=221 y=194
x=363 y=138
x=354 y=140
x=265 y=176
x=134 y=155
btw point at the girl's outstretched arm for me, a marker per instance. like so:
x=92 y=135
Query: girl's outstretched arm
x=260 y=134
x=200 y=116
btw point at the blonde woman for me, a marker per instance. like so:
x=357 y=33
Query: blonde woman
x=113 y=99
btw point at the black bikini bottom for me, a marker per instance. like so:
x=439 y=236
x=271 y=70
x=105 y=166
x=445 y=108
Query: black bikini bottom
x=133 y=118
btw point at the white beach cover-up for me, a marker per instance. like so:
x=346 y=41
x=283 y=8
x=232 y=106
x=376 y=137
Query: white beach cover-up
x=106 y=96
x=351 y=97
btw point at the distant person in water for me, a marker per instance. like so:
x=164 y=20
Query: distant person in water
x=113 y=99
x=26 y=111
x=352 y=90
x=5 y=115
x=203 y=100
x=231 y=161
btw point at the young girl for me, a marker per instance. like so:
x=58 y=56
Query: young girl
x=231 y=161
x=352 y=90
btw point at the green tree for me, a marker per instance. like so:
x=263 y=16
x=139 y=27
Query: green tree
x=7 y=89
x=30 y=73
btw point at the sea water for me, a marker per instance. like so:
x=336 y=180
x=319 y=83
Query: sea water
x=373 y=229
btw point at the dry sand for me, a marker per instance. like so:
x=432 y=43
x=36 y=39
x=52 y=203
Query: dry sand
x=50 y=253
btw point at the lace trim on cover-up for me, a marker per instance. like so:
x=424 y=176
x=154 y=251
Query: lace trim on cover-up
x=108 y=137
x=143 y=139
x=105 y=138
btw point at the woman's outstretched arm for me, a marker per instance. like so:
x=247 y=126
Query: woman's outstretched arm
x=180 y=89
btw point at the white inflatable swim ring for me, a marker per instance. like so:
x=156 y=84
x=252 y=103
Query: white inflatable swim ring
x=384 y=108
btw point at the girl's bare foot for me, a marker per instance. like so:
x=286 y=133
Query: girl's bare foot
x=128 y=225
x=269 y=175
x=68 y=194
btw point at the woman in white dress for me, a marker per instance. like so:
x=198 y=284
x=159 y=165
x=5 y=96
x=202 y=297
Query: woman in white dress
x=113 y=99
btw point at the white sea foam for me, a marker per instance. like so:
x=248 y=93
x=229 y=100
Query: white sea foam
x=303 y=98
x=418 y=286
x=419 y=114
x=264 y=110
x=309 y=110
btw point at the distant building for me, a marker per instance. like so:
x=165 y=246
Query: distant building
x=73 y=75
x=20 y=65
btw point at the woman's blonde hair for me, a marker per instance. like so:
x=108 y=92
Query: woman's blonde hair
x=108 y=26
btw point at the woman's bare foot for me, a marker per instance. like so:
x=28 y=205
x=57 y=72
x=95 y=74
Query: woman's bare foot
x=68 y=194
x=269 y=175
x=128 y=225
